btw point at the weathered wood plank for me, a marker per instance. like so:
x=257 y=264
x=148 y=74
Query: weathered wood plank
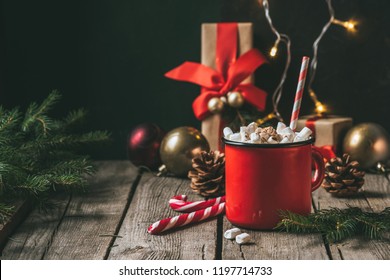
x=360 y=248
x=377 y=192
x=150 y=204
x=274 y=245
x=92 y=218
x=20 y=211
x=32 y=238
x=73 y=229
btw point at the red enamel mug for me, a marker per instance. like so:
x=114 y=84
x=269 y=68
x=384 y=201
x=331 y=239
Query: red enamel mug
x=263 y=179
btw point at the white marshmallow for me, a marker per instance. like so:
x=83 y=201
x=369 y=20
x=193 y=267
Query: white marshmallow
x=251 y=127
x=227 y=131
x=235 y=137
x=254 y=134
x=254 y=137
x=232 y=233
x=280 y=127
x=285 y=140
x=272 y=141
x=286 y=130
x=244 y=136
x=288 y=133
x=304 y=133
x=297 y=139
x=243 y=238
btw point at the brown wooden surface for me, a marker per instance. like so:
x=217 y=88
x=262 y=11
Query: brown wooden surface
x=20 y=210
x=110 y=222
x=150 y=204
x=274 y=245
x=376 y=197
x=83 y=224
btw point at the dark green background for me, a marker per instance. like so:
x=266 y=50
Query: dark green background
x=110 y=57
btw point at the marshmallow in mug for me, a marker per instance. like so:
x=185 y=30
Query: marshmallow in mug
x=254 y=134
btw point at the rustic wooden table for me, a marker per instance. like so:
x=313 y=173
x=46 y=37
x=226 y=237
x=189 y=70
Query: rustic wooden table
x=110 y=222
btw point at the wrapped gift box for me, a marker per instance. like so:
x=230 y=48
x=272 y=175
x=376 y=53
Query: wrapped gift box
x=228 y=62
x=328 y=131
x=213 y=125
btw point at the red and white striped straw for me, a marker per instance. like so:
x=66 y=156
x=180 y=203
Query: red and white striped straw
x=186 y=219
x=298 y=94
x=179 y=203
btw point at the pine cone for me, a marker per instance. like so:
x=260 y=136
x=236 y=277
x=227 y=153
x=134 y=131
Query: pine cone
x=208 y=174
x=342 y=176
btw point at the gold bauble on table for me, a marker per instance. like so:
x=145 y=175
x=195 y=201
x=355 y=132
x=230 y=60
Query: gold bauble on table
x=235 y=99
x=368 y=143
x=215 y=105
x=179 y=147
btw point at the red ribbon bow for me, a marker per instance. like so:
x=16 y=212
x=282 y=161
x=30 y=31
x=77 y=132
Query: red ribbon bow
x=228 y=76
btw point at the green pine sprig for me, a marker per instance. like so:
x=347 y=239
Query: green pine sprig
x=338 y=224
x=40 y=154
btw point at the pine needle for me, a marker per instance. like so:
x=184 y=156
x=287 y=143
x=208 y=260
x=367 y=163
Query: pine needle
x=338 y=224
x=39 y=154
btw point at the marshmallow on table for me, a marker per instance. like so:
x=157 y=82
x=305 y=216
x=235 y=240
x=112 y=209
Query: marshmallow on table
x=232 y=233
x=243 y=238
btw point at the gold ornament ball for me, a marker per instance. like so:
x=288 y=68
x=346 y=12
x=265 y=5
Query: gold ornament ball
x=179 y=146
x=215 y=105
x=368 y=143
x=235 y=99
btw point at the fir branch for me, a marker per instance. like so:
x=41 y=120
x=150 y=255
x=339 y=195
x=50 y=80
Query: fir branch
x=66 y=141
x=9 y=119
x=36 y=113
x=39 y=154
x=339 y=230
x=338 y=224
x=74 y=118
x=370 y=226
x=292 y=222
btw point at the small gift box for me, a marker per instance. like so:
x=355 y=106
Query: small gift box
x=228 y=62
x=328 y=131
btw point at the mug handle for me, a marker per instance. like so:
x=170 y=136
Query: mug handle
x=319 y=168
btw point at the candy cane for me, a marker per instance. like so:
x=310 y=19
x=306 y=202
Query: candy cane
x=186 y=219
x=179 y=203
x=299 y=93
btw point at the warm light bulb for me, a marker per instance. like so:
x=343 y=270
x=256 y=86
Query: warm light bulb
x=350 y=25
x=273 y=51
x=320 y=108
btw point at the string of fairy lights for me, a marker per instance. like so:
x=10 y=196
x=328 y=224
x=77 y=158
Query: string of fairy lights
x=320 y=108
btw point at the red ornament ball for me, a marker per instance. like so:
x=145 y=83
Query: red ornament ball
x=143 y=145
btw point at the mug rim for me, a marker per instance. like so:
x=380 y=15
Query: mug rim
x=268 y=145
